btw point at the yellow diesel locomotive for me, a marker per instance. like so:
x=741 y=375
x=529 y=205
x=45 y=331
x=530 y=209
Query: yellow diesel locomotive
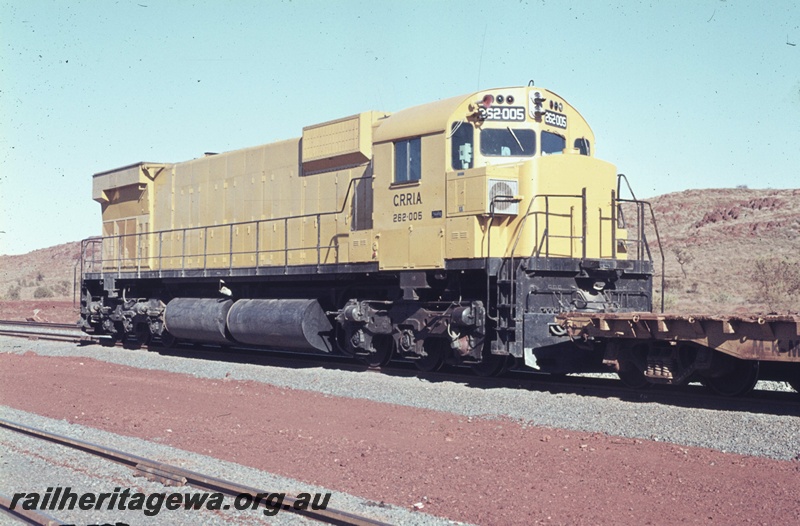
x=451 y=232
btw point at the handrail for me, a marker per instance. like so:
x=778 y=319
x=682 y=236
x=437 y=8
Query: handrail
x=547 y=215
x=119 y=240
x=660 y=250
x=643 y=238
x=543 y=246
x=545 y=237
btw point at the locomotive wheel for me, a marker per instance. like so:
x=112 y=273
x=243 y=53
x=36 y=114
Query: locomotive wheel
x=140 y=336
x=436 y=348
x=492 y=365
x=384 y=348
x=740 y=380
x=115 y=337
x=109 y=342
x=632 y=377
x=167 y=340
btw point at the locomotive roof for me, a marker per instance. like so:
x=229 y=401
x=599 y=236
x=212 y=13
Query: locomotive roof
x=126 y=167
x=418 y=120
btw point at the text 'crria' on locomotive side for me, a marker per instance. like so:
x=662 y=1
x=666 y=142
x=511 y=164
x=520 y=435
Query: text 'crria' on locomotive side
x=452 y=232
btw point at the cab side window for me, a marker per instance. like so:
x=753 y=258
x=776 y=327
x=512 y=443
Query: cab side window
x=461 y=140
x=407 y=160
x=582 y=145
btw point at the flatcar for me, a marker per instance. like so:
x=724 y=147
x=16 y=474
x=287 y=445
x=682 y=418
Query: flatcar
x=450 y=232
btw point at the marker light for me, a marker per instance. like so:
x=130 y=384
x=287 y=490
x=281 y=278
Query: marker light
x=510 y=99
x=487 y=101
x=500 y=99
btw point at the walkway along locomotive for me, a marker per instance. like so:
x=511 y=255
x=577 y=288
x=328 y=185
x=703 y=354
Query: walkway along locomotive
x=451 y=232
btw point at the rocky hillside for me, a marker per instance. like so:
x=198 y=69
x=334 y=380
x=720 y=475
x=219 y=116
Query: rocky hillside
x=729 y=250
x=726 y=251
x=39 y=285
x=41 y=274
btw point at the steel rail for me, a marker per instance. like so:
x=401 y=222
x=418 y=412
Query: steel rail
x=174 y=475
x=43 y=336
x=47 y=324
x=45 y=331
x=39 y=335
x=27 y=516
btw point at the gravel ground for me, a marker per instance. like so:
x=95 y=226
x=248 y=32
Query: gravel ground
x=31 y=465
x=491 y=470
x=770 y=435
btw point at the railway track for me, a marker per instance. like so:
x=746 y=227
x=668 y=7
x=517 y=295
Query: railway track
x=65 y=332
x=761 y=400
x=605 y=386
x=27 y=516
x=171 y=475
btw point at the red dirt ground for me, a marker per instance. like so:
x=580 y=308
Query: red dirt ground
x=478 y=470
x=53 y=311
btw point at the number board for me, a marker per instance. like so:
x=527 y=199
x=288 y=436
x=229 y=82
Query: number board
x=503 y=113
x=555 y=119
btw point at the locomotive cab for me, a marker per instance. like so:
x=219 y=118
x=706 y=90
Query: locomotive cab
x=526 y=213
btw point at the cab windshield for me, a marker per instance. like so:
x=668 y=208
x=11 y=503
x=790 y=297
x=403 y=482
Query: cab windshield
x=508 y=142
x=552 y=143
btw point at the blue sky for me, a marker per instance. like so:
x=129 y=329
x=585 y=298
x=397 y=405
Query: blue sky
x=680 y=95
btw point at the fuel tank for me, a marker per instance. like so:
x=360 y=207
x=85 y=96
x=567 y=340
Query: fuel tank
x=292 y=324
x=198 y=319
